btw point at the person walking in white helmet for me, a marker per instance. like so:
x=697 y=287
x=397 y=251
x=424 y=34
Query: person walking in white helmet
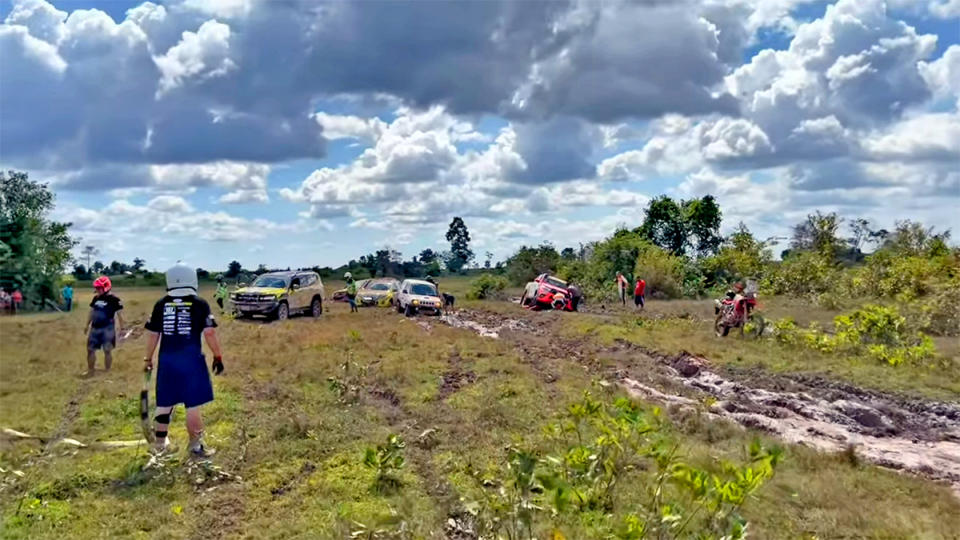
x=176 y=323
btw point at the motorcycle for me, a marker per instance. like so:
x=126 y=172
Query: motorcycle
x=736 y=310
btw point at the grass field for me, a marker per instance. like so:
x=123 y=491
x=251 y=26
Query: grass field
x=297 y=443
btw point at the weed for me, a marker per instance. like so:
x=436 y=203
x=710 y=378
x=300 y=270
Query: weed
x=594 y=448
x=386 y=460
x=349 y=386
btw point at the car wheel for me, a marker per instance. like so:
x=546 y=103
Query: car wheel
x=283 y=312
x=316 y=308
x=718 y=327
x=399 y=308
x=408 y=311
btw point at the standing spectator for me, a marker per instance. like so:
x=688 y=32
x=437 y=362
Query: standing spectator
x=67 y=293
x=622 y=286
x=16 y=301
x=351 y=292
x=4 y=300
x=103 y=324
x=638 y=293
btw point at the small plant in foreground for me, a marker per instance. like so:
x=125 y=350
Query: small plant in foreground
x=349 y=385
x=595 y=450
x=386 y=460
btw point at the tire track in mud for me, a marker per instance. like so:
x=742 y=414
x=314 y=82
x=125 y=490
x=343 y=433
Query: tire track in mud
x=916 y=436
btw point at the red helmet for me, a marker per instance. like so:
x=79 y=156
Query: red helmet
x=102 y=283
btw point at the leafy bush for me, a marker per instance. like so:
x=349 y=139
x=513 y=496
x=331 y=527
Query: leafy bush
x=879 y=332
x=386 y=460
x=487 y=286
x=802 y=274
x=939 y=313
x=663 y=272
x=593 y=450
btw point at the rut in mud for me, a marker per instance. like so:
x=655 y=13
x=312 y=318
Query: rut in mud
x=921 y=437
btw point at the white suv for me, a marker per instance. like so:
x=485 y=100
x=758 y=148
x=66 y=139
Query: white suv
x=418 y=296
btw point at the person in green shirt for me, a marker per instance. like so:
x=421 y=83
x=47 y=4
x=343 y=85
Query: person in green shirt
x=221 y=293
x=351 y=292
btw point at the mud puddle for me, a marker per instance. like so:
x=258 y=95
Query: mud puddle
x=921 y=437
x=489 y=325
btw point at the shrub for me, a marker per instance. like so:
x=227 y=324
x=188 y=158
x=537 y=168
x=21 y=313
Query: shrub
x=594 y=449
x=487 y=286
x=663 y=272
x=802 y=274
x=386 y=460
x=879 y=332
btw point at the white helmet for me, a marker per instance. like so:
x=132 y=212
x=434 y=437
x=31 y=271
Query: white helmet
x=348 y=275
x=181 y=280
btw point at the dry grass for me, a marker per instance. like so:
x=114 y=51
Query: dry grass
x=298 y=445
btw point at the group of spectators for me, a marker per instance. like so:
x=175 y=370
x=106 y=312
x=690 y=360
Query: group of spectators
x=11 y=301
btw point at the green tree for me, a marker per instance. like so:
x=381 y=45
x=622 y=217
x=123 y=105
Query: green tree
x=740 y=257
x=98 y=267
x=529 y=262
x=428 y=256
x=664 y=225
x=818 y=233
x=568 y=254
x=34 y=251
x=138 y=264
x=233 y=269
x=702 y=219
x=459 y=239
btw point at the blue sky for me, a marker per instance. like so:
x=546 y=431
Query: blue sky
x=313 y=133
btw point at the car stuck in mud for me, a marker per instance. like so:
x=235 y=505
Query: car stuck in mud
x=550 y=292
x=418 y=296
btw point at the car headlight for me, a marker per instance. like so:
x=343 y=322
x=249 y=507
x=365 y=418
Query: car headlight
x=233 y=296
x=415 y=302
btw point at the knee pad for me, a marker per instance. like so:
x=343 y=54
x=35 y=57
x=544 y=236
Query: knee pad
x=162 y=418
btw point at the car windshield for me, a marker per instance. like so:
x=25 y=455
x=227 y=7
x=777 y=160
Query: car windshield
x=379 y=287
x=556 y=282
x=271 y=282
x=423 y=289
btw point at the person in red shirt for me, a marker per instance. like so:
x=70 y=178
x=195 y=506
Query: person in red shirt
x=16 y=301
x=638 y=293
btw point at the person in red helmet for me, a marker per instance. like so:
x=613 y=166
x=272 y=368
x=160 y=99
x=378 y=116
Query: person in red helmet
x=103 y=324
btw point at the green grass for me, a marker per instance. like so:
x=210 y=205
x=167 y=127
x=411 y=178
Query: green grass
x=672 y=327
x=299 y=448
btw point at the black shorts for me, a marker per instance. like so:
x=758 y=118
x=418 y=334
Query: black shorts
x=102 y=338
x=638 y=300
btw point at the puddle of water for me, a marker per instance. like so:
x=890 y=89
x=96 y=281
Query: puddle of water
x=489 y=328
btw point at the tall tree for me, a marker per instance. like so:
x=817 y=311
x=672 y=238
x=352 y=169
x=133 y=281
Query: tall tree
x=817 y=233
x=459 y=239
x=664 y=225
x=34 y=251
x=90 y=252
x=233 y=269
x=568 y=254
x=427 y=256
x=702 y=218
x=98 y=267
x=138 y=264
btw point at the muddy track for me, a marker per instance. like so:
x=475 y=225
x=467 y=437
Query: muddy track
x=917 y=436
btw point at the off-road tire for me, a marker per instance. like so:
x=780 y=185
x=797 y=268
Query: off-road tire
x=316 y=308
x=408 y=311
x=399 y=308
x=282 y=312
x=718 y=328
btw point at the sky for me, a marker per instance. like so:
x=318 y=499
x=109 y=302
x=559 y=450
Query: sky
x=310 y=133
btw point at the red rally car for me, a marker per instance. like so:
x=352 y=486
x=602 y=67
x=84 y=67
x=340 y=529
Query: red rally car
x=549 y=292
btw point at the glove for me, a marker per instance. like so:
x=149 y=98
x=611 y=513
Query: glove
x=217 y=365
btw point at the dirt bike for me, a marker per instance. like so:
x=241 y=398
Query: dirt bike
x=736 y=311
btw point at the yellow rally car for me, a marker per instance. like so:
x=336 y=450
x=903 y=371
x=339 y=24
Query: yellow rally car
x=280 y=294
